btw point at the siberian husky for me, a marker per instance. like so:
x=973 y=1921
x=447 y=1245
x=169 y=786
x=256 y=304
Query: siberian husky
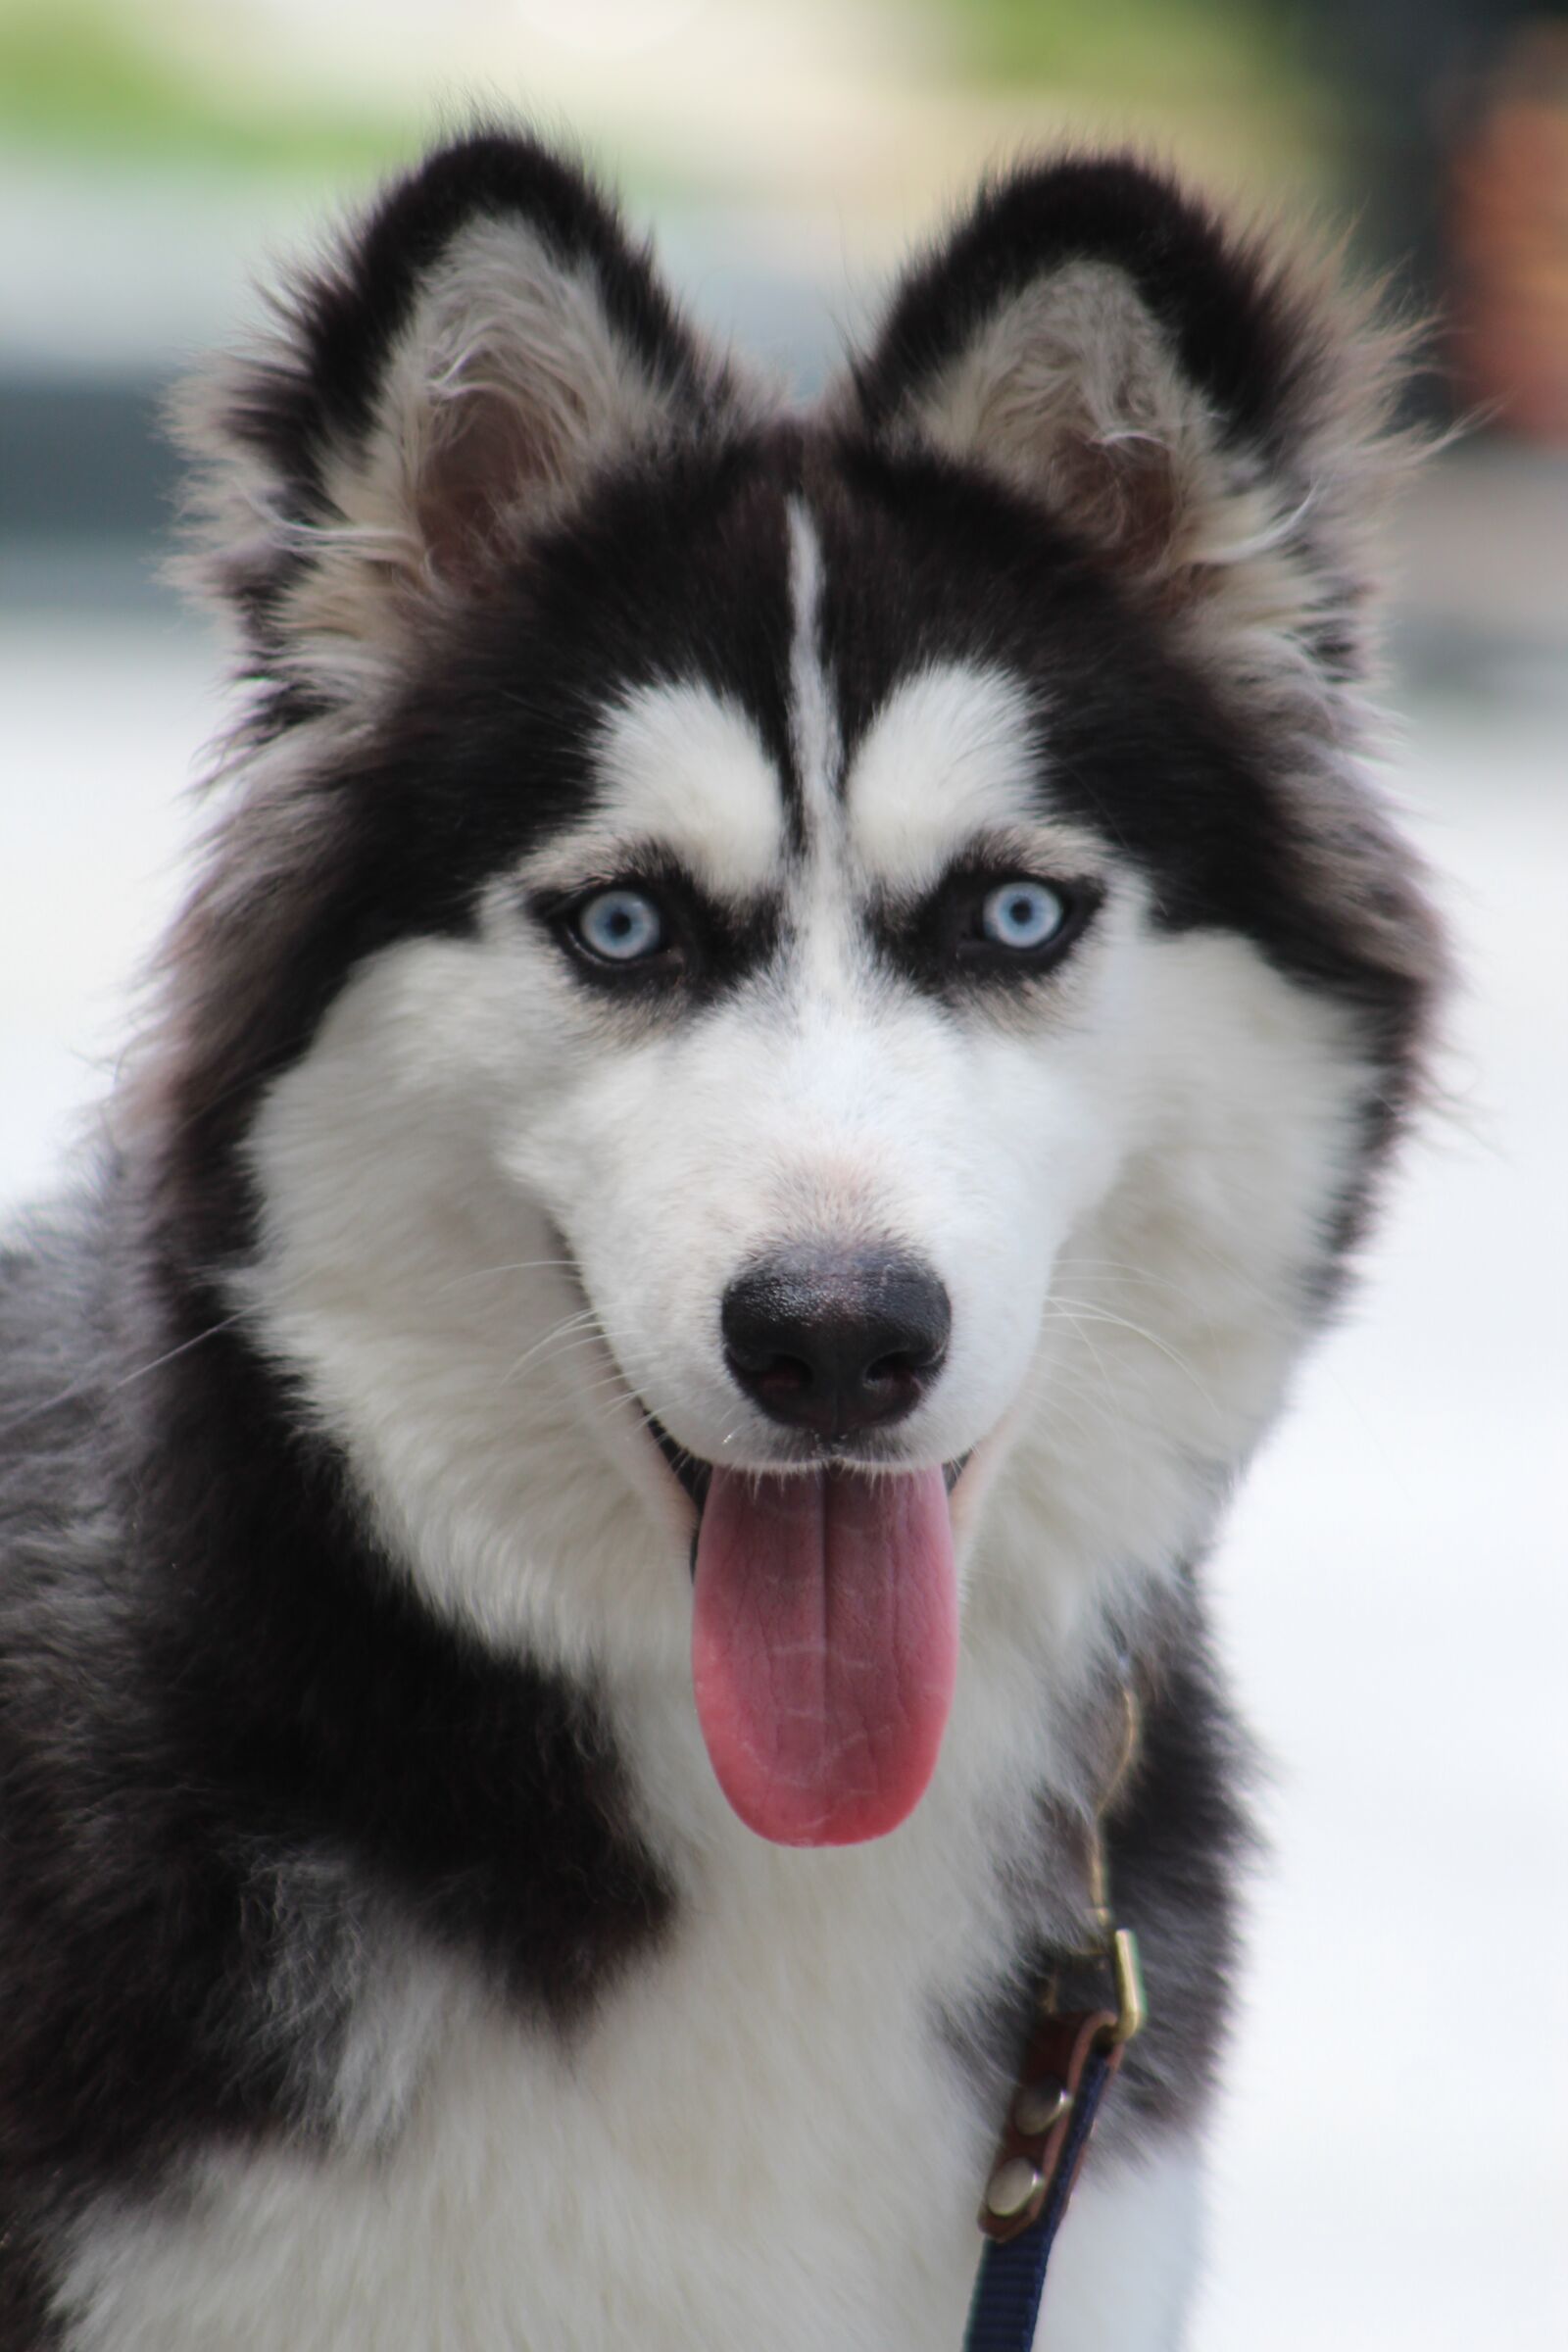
x=788 y=1022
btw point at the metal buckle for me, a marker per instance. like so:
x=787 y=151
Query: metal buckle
x=1043 y=2137
x=1117 y=1946
x=1116 y=1952
x=1132 y=2002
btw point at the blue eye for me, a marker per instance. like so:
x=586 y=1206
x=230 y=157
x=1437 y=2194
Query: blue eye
x=619 y=926
x=1022 y=915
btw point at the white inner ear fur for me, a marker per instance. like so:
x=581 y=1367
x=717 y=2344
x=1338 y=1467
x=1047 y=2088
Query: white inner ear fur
x=1075 y=360
x=1073 y=393
x=505 y=390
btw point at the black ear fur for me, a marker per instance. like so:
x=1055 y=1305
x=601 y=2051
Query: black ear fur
x=270 y=428
x=1232 y=328
x=346 y=318
x=1208 y=411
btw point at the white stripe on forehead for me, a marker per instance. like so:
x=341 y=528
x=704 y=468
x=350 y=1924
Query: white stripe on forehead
x=813 y=722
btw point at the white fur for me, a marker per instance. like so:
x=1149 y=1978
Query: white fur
x=955 y=753
x=681 y=2176
x=679 y=767
x=814 y=720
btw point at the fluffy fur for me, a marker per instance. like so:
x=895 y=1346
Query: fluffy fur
x=379 y=1960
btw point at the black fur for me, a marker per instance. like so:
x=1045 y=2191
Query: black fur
x=346 y=320
x=1177 y=1840
x=231 y=1745
x=1176 y=1844
x=1224 y=308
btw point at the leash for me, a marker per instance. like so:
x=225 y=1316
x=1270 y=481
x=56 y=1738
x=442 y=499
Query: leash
x=1069 y=2064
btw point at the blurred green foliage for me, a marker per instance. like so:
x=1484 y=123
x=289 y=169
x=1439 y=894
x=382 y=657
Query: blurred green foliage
x=1175 y=49
x=86 y=73
x=219 y=83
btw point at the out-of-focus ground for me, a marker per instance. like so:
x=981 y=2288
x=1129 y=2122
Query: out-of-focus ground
x=1389 y=2169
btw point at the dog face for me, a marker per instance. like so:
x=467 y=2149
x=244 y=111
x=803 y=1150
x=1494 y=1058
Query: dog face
x=786 y=1016
x=760 y=969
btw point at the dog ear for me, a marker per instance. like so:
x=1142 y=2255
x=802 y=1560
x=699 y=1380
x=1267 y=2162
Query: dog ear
x=1212 y=420
x=481 y=345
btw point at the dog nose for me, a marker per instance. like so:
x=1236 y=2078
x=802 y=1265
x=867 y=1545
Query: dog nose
x=836 y=1341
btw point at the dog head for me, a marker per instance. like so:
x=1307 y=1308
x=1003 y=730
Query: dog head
x=760 y=971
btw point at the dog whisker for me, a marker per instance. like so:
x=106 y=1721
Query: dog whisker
x=576 y=1329
x=93 y=1384
x=1089 y=1310
x=520 y=1265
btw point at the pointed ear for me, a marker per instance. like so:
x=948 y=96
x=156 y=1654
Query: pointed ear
x=1209 y=417
x=482 y=345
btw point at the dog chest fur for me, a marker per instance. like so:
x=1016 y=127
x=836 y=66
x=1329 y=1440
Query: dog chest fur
x=766 y=2137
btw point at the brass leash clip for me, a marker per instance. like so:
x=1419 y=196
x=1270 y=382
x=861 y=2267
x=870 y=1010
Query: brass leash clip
x=1039 y=2144
x=1117 y=1945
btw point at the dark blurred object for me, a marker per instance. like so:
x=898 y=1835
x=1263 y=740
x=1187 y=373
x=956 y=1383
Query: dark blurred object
x=1455 y=119
x=1508 y=241
x=84 y=458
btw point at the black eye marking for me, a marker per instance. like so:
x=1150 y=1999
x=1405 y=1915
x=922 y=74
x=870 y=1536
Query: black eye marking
x=622 y=931
x=650 y=929
x=991 y=924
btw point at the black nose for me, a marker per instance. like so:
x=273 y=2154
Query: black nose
x=835 y=1341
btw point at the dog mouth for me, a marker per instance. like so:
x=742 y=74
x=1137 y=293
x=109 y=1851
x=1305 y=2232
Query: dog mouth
x=694 y=1476
x=824 y=1638
x=824 y=1635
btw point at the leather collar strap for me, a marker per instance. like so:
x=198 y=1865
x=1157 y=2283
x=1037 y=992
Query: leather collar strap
x=1072 y=2057
x=1069 y=2066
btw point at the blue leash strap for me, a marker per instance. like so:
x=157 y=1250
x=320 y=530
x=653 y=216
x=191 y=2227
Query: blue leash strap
x=1006 y=2308
x=1067 y=2069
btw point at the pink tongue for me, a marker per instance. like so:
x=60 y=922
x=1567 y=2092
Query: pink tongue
x=825 y=1647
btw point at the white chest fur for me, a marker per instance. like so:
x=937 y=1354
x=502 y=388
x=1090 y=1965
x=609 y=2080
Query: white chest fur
x=766 y=2138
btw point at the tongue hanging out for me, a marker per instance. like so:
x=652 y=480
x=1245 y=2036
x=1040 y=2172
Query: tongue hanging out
x=825 y=1647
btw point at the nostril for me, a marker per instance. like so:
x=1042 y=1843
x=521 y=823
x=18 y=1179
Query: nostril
x=782 y=1374
x=908 y=1363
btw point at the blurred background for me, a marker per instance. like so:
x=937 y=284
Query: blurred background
x=1389 y=2166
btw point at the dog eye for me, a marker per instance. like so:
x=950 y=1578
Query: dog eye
x=1022 y=915
x=618 y=926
